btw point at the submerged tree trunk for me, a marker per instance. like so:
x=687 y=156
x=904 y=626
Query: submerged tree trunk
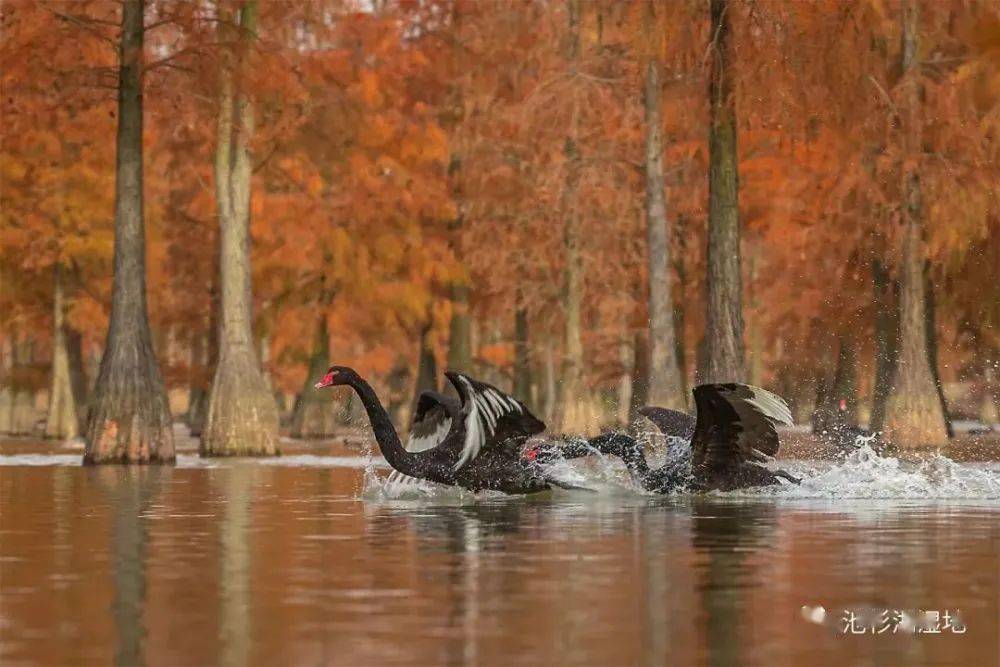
x=313 y=415
x=724 y=322
x=913 y=415
x=886 y=293
x=572 y=400
x=61 y=421
x=664 y=373
x=129 y=420
x=242 y=415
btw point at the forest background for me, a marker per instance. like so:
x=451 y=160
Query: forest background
x=591 y=204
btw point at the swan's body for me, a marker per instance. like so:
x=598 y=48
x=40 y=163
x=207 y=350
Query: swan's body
x=733 y=432
x=475 y=443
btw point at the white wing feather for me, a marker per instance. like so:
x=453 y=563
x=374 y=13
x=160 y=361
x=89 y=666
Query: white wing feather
x=484 y=410
x=771 y=405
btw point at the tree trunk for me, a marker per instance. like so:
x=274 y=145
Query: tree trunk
x=6 y=385
x=426 y=367
x=77 y=375
x=129 y=419
x=680 y=314
x=886 y=297
x=930 y=321
x=522 y=356
x=913 y=415
x=640 y=374
x=724 y=322
x=549 y=384
x=625 y=381
x=198 y=406
x=837 y=396
x=242 y=414
x=61 y=421
x=459 y=338
x=664 y=373
x=572 y=400
x=313 y=415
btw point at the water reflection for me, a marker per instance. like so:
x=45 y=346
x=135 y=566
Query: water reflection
x=235 y=627
x=129 y=493
x=261 y=565
x=727 y=535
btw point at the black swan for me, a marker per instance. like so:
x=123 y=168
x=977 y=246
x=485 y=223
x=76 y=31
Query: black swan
x=733 y=432
x=476 y=444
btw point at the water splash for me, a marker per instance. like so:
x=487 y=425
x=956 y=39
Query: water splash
x=864 y=473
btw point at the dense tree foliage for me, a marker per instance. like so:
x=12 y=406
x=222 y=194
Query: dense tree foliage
x=434 y=182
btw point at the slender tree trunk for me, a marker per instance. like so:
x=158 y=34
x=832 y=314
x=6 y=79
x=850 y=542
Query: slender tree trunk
x=625 y=381
x=664 y=373
x=198 y=407
x=913 y=415
x=724 y=330
x=680 y=314
x=313 y=415
x=197 y=390
x=61 y=421
x=571 y=405
x=640 y=374
x=837 y=398
x=6 y=385
x=426 y=366
x=930 y=319
x=886 y=293
x=549 y=383
x=129 y=420
x=242 y=415
x=77 y=375
x=522 y=353
x=460 y=328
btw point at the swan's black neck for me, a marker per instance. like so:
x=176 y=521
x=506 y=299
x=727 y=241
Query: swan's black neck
x=385 y=433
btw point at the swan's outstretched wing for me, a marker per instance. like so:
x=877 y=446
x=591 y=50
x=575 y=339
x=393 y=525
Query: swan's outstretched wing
x=673 y=423
x=735 y=424
x=432 y=420
x=491 y=418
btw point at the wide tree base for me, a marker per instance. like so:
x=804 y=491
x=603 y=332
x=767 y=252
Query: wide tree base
x=129 y=425
x=913 y=419
x=242 y=414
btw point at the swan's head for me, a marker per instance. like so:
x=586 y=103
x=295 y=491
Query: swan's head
x=336 y=375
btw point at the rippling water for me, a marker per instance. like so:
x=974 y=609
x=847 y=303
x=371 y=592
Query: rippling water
x=309 y=560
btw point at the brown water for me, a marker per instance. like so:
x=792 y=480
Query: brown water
x=293 y=564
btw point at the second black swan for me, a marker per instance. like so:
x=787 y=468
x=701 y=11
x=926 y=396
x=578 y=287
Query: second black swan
x=733 y=433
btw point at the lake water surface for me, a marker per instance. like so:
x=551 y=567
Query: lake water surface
x=310 y=560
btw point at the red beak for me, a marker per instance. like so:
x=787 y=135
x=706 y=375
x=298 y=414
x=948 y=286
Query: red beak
x=327 y=381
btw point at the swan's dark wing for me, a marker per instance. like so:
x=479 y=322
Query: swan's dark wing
x=491 y=418
x=432 y=420
x=735 y=424
x=670 y=422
